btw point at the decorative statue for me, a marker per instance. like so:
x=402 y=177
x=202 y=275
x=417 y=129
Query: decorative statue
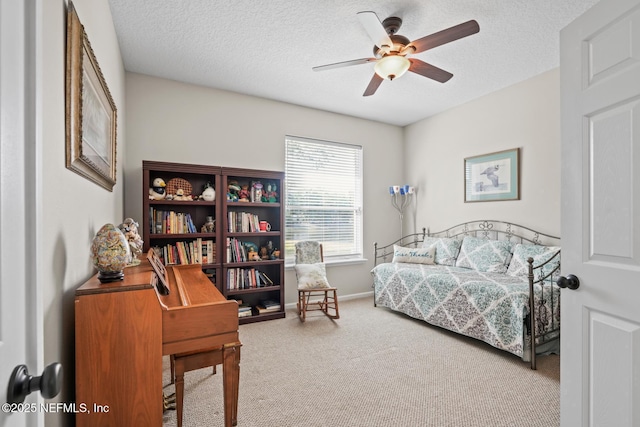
x=271 y=195
x=209 y=226
x=244 y=193
x=232 y=191
x=130 y=230
x=110 y=253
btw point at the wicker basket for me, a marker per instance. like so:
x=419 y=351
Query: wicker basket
x=179 y=183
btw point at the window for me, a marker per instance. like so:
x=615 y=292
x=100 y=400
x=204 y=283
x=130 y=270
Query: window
x=323 y=197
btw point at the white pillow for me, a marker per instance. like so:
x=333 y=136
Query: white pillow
x=312 y=276
x=414 y=255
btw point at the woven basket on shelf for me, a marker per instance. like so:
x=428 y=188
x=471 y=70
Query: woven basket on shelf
x=179 y=183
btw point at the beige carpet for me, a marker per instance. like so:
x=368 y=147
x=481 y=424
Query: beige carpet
x=373 y=367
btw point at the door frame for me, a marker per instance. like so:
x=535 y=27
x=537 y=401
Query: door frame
x=23 y=153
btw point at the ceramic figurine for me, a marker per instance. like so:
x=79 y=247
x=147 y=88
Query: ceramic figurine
x=209 y=226
x=256 y=191
x=158 y=190
x=271 y=194
x=244 y=194
x=264 y=253
x=232 y=191
x=129 y=228
x=209 y=193
x=181 y=196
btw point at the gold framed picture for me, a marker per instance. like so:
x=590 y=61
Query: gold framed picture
x=90 y=111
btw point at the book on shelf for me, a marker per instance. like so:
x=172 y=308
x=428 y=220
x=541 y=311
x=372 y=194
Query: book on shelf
x=207 y=251
x=268 y=306
x=247 y=313
x=268 y=303
x=265 y=279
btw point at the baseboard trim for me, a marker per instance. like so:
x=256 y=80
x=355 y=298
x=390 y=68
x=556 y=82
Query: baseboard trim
x=292 y=305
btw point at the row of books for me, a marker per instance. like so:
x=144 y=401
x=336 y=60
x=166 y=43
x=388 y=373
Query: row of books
x=170 y=222
x=236 y=250
x=243 y=222
x=266 y=306
x=245 y=311
x=247 y=278
x=197 y=251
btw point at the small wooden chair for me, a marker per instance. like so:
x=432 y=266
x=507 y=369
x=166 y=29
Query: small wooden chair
x=314 y=293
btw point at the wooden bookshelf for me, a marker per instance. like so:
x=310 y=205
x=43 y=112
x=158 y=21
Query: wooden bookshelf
x=239 y=232
x=160 y=216
x=251 y=281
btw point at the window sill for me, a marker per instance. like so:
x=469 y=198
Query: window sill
x=349 y=261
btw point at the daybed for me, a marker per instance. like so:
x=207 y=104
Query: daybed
x=490 y=280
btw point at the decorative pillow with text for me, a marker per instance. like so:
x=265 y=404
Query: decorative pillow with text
x=414 y=255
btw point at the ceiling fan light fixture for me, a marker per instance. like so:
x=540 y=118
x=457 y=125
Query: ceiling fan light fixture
x=392 y=66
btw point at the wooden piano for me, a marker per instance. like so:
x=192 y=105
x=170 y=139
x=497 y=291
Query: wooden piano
x=124 y=328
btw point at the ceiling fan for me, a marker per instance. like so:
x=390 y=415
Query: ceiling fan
x=391 y=50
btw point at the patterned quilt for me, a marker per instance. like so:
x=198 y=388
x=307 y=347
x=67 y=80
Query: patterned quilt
x=488 y=306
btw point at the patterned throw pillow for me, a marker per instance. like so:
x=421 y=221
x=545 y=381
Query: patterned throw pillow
x=446 y=249
x=484 y=255
x=308 y=252
x=540 y=254
x=312 y=276
x=413 y=255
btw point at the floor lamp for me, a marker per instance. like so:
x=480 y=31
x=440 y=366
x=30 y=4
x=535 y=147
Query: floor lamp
x=401 y=197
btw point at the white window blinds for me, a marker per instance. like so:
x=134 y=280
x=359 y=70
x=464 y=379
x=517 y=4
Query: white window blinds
x=323 y=197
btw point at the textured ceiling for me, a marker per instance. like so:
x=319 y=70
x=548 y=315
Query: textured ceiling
x=266 y=48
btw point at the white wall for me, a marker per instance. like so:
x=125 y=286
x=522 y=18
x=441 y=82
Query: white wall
x=170 y=121
x=177 y=122
x=525 y=115
x=73 y=207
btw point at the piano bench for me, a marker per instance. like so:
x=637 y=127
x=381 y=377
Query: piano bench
x=173 y=364
x=190 y=361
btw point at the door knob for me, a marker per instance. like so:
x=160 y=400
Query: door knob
x=571 y=282
x=21 y=384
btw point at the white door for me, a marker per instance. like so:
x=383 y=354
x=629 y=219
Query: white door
x=600 y=344
x=20 y=313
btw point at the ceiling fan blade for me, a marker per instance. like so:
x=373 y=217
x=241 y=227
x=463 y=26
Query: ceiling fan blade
x=374 y=28
x=373 y=85
x=427 y=70
x=445 y=36
x=343 y=64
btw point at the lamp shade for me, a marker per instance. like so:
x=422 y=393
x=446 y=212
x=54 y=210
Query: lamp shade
x=392 y=66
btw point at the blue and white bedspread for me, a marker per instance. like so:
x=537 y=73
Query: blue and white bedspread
x=488 y=306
